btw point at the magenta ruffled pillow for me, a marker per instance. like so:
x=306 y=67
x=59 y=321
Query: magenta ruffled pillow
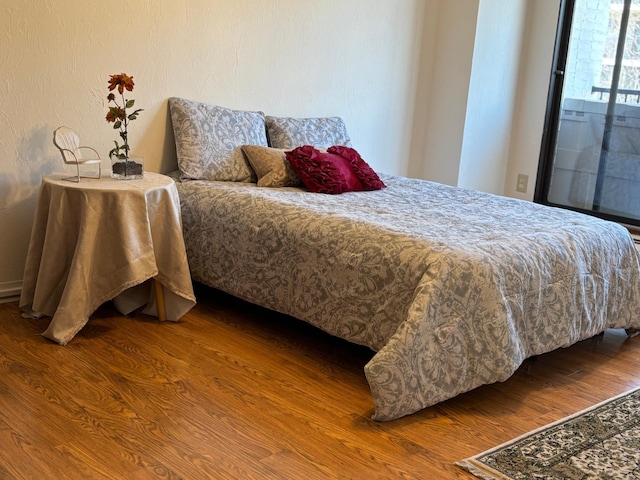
x=339 y=169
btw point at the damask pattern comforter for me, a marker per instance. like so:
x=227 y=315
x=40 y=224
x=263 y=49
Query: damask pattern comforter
x=451 y=288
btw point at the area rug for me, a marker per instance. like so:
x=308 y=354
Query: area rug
x=601 y=442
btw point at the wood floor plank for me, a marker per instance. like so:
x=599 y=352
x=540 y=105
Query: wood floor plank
x=233 y=391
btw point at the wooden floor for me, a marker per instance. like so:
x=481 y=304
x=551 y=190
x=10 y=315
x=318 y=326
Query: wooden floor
x=235 y=392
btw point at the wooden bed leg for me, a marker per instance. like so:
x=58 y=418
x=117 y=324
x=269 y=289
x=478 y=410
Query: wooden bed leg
x=162 y=313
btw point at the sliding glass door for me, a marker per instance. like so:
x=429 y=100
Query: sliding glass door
x=590 y=158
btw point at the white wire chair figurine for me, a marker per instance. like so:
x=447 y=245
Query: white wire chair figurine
x=68 y=143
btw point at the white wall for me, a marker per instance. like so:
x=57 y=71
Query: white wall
x=483 y=76
x=492 y=95
x=351 y=58
x=444 y=75
x=531 y=102
x=404 y=74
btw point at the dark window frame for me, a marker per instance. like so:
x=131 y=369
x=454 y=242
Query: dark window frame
x=552 y=121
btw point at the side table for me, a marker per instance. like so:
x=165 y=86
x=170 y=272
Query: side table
x=105 y=239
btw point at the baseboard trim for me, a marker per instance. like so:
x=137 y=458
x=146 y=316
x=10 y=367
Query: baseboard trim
x=10 y=291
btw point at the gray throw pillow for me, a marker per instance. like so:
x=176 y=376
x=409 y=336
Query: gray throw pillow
x=321 y=132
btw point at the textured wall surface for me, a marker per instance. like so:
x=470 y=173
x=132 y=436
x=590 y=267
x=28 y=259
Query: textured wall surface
x=492 y=94
x=397 y=71
x=284 y=57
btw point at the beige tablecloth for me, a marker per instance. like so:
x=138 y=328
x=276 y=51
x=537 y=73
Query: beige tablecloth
x=104 y=239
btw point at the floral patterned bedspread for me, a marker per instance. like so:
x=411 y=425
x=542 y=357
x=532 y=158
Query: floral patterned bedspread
x=451 y=288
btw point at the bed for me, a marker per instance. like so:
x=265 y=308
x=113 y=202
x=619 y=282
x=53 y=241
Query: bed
x=451 y=288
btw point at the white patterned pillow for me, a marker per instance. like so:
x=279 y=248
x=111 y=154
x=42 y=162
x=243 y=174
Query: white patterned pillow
x=321 y=132
x=209 y=140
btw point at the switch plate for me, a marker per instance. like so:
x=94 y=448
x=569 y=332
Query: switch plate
x=521 y=185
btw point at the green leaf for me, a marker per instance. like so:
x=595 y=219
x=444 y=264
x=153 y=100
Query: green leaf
x=117 y=124
x=129 y=103
x=133 y=115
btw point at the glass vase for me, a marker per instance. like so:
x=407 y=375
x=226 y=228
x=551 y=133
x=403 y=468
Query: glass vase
x=131 y=168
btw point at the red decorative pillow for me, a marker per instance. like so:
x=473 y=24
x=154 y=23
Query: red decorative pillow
x=340 y=169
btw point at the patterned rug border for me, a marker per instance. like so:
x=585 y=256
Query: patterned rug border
x=485 y=472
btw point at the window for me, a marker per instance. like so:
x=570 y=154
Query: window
x=590 y=157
